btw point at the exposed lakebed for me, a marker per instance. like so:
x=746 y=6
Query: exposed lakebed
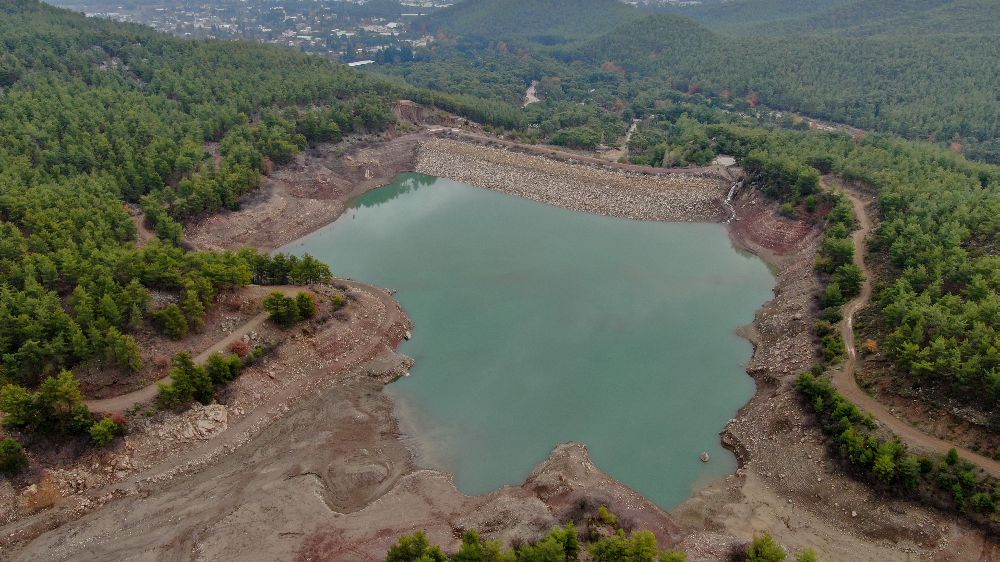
x=536 y=325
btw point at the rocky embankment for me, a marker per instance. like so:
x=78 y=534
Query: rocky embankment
x=617 y=193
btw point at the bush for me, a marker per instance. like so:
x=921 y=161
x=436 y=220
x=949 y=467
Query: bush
x=849 y=278
x=605 y=516
x=787 y=210
x=223 y=369
x=104 y=432
x=765 y=549
x=57 y=408
x=12 y=457
x=172 y=322
x=415 y=548
x=282 y=310
x=832 y=296
x=240 y=348
x=189 y=382
x=806 y=555
x=306 y=305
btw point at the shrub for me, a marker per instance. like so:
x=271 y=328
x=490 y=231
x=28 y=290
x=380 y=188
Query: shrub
x=764 y=548
x=952 y=457
x=849 y=277
x=172 y=322
x=104 y=432
x=787 y=210
x=806 y=555
x=282 y=310
x=240 y=348
x=832 y=296
x=833 y=348
x=831 y=314
x=415 y=548
x=56 y=408
x=306 y=305
x=606 y=517
x=12 y=457
x=223 y=369
x=189 y=382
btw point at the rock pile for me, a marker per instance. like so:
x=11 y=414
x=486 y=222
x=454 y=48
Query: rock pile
x=675 y=197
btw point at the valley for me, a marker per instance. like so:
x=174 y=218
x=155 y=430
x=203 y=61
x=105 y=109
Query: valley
x=595 y=281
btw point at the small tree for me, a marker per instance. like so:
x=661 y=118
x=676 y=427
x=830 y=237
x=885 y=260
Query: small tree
x=764 y=548
x=172 y=322
x=415 y=548
x=606 y=517
x=306 y=305
x=282 y=310
x=832 y=296
x=104 y=432
x=849 y=277
x=952 y=457
x=223 y=369
x=189 y=382
x=12 y=457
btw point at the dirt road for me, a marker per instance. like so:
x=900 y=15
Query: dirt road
x=149 y=392
x=561 y=155
x=844 y=379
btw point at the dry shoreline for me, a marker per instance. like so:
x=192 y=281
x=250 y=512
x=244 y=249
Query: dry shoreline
x=617 y=193
x=785 y=483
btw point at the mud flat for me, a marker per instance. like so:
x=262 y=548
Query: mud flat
x=617 y=193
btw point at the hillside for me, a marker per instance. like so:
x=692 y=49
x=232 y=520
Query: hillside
x=95 y=115
x=897 y=17
x=540 y=21
x=750 y=12
x=931 y=87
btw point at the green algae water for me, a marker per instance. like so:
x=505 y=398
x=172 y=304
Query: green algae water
x=535 y=325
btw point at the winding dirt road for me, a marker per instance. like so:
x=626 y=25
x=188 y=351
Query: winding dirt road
x=844 y=379
x=147 y=393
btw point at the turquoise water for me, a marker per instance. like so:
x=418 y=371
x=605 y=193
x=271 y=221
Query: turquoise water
x=535 y=325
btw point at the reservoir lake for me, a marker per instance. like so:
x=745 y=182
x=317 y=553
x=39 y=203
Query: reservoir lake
x=536 y=325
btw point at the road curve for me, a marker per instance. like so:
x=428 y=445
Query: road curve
x=147 y=393
x=846 y=384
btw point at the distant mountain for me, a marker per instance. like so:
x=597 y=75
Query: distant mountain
x=547 y=22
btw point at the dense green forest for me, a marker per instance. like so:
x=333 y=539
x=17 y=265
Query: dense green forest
x=538 y=21
x=930 y=71
x=94 y=115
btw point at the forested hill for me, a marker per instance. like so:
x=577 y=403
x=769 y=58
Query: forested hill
x=935 y=87
x=540 y=21
x=742 y=12
x=96 y=114
x=924 y=69
x=896 y=17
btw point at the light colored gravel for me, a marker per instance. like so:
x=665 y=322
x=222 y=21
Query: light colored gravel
x=674 y=197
